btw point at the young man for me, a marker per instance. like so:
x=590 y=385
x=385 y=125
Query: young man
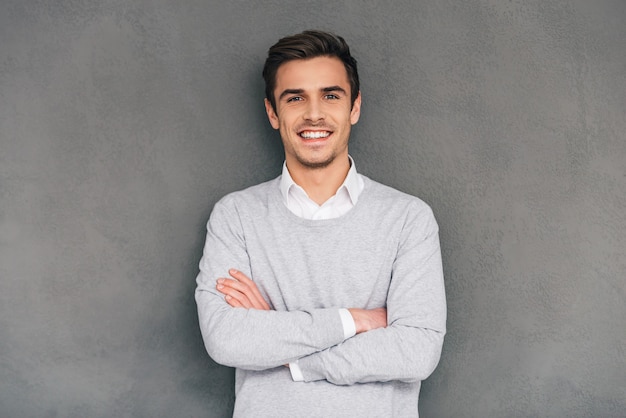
x=322 y=287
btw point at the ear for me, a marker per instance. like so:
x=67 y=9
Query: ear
x=271 y=115
x=355 y=113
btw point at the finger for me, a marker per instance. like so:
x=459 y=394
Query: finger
x=252 y=286
x=237 y=299
x=247 y=286
x=242 y=293
x=233 y=302
x=233 y=296
x=228 y=284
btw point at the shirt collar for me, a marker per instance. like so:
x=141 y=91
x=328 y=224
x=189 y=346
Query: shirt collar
x=351 y=183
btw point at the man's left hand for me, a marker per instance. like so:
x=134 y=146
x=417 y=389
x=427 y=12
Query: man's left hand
x=241 y=292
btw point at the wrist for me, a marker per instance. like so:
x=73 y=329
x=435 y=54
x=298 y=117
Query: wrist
x=357 y=316
x=368 y=319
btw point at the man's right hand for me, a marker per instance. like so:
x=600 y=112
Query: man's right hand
x=368 y=319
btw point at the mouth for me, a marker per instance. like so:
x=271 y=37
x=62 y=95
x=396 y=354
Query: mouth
x=307 y=134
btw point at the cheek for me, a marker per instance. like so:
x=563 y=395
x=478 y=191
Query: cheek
x=284 y=122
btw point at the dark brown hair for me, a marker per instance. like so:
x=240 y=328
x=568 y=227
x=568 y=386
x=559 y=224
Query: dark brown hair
x=308 y=44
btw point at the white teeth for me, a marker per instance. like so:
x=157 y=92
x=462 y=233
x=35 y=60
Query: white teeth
x=315 y=134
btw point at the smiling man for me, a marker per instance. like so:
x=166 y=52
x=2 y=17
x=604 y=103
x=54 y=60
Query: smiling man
x=322 y=287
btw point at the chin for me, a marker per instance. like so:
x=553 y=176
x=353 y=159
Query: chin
x=316 y=164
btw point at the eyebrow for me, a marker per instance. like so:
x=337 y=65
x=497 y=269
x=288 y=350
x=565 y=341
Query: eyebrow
x=290 y=91
x=287 y=92
x=334 y=88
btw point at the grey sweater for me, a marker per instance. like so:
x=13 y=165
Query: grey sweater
x=383 y=253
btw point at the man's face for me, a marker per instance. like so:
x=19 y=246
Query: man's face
x=313 y=111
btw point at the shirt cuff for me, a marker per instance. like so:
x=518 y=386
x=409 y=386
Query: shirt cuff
x=296 y=372
x=349 y=327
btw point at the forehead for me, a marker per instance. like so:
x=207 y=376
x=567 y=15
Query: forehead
x=312 y=73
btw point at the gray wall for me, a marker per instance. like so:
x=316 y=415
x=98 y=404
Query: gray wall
x=122 y=122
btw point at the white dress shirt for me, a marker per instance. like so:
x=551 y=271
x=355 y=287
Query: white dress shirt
x=298 y=202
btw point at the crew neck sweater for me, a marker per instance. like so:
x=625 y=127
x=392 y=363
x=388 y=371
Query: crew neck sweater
x=384 y=252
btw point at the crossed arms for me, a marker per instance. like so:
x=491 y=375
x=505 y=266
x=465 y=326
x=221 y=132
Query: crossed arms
x=398 y=341
x=241 y=292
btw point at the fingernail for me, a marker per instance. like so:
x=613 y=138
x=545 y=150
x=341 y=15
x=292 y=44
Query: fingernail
x=232 y=271
x=220 y=281
x=219 y=286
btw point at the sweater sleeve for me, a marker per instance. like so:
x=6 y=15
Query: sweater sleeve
x=248 y=338
x=409 y=348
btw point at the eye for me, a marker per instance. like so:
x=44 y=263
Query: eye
x=331 y=97
x=294 y=99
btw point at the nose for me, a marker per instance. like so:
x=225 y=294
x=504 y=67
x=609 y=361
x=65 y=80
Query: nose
x=314 y=111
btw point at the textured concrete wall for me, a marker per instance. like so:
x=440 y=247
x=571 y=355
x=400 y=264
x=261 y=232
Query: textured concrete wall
x=122 y=122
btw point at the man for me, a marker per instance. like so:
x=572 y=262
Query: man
x=322 y=287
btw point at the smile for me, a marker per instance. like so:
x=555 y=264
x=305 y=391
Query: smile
x=314 y=134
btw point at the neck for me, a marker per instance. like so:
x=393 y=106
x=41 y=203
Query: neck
x=320 y=184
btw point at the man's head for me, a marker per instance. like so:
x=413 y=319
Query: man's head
x=313 y=99
x=306 y=45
